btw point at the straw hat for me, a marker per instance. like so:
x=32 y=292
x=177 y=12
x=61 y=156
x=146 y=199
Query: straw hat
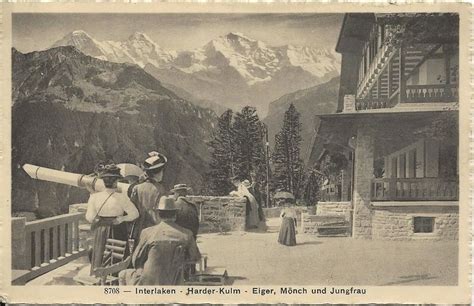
x=178 y=187
x=167 y=203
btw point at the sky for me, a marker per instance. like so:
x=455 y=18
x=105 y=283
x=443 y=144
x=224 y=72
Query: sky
x=33 y=32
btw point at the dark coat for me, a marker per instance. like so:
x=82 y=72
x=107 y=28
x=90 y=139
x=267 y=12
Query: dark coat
x=187 y=215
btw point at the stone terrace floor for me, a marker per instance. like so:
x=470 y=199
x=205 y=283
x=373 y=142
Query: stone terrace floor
x=256 y=258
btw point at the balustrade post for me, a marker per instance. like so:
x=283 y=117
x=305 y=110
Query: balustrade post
x=392 y=188
x=21 y=251
x=62 y=240
x=47 y=244
x=447 y=63
x=76 y=236
x=37 y=235
x=55 y=243
x=69 y=237
x=401 y=74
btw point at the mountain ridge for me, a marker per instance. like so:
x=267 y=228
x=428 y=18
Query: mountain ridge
x=232 y=70
x=71 y=111
x=309 y=102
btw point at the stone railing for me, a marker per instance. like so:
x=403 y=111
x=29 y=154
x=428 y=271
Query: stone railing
x=43 y=245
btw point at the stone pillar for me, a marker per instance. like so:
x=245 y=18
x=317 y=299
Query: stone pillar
x=346 y=182
x=363 y=173
x=19 y=256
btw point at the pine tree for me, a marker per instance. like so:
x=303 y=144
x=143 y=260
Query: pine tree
x=249 y=145
x=222 y=163
x=287 y=164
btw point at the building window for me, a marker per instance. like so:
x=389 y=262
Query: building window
x=423 y=224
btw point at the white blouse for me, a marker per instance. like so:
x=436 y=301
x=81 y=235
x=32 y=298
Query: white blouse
x=288 y=212
x=116 y=205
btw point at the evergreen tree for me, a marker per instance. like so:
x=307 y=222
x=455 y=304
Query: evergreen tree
x=249 y=145
x=222 y=156
x=287 y=164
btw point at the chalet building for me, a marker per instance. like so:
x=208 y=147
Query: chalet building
x=397 y=122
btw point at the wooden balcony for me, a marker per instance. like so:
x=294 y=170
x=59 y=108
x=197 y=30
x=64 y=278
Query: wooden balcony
x=414 y=189
x=432 y=93
x=43 y=245
x=413 y=94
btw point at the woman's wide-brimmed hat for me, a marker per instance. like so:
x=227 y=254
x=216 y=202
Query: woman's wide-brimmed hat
x=110 y=170
x=246 y=183
x=179 y=187
x=167 y=203
x=155 y=161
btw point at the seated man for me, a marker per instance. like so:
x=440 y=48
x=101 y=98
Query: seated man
x=162 y=251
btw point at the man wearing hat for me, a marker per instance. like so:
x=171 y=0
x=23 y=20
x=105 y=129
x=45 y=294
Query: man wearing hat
x=108 y=211
x=162 y=251
x=147 y=194
x=187 y=215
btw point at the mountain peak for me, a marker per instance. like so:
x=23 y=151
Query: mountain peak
x=237 y=35
x=139 y=36
x=79 y=33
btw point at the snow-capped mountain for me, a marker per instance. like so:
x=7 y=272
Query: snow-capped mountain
x=232 y=70
x=137 y=49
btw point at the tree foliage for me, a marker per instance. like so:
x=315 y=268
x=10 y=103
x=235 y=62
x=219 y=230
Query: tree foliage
x=286 y=161
x=424 y=27
x=237 y=149
x=249 y=145
x=222 y=163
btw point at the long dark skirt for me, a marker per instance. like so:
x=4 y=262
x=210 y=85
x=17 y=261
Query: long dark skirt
x=103 y=230
x=287 y=234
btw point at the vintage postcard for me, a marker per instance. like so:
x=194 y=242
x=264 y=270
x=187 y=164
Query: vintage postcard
x=230 y=153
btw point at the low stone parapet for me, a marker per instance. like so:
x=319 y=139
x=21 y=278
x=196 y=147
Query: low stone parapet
x=333 y=208
x=216 y=214
x=311 y=223
x=274 y=212
x=220 y=214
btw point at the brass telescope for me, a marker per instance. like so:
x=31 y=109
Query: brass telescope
x=71 y=179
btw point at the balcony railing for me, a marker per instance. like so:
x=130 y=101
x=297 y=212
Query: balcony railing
x=363 y=104
x=432 y=93
x=43 y=245
x=414 y=189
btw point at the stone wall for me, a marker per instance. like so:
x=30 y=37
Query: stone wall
x=310 y=223
x=217 y=214
x=396 y=223
x=334 y=208
x=274 y=212
x=220 y=214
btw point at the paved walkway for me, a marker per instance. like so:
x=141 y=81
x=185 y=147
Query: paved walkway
x=256 y=258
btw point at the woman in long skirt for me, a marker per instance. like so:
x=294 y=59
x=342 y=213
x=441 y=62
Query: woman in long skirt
x=287 y=234
x=108 y=211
